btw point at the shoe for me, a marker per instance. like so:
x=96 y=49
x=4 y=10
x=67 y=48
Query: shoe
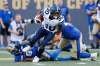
x=35 y=60
x=26 y=49
x=94 y=56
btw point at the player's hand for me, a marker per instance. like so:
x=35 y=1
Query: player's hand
x=39 y=18
x=3 y=26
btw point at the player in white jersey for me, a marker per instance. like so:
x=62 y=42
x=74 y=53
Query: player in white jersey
x=50 y=20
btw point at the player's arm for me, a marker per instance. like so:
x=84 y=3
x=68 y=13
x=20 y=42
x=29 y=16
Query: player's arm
x=38 y=18
x=27 y=21
x=59 y=28
x=90 y=12
x=1 y=22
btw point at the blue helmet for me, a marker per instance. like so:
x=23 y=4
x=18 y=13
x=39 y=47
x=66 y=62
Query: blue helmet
x=54 y=9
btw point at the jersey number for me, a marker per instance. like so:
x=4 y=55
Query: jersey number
x=47 y=11
x=51 y=28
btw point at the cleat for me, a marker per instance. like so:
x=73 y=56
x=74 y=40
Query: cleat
x=94 y=56
x=35 y=60
x=26 y=49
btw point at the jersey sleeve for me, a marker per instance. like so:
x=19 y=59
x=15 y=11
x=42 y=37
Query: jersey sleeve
x=46 y=12
x=86 y=8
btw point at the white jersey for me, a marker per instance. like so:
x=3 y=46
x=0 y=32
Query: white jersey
x=50 y=25
x=13 y=27
x=46 y=12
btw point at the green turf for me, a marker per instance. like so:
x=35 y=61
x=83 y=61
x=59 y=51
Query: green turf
x=7 y=60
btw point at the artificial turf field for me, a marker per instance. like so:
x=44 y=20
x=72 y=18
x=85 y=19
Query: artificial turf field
x=6 y=59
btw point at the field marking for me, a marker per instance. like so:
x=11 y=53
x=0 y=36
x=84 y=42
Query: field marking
x=39 y=64
x=81 y=63
x=6 y=59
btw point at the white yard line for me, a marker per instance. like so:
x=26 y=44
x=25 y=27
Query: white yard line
x=6 y=59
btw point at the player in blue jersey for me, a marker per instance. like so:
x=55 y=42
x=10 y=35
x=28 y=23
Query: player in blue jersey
x=72 y=34
x=64 y=11
x=90 y=11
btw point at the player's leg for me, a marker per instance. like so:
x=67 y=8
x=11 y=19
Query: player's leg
x=54 y=54
x=77 y=44
x=39 y=34
x=74 y=49
x=90 y=27
x=95 y=25
x=33 y=39
x=48 y=36
x=63 y=43
x=97 y=40
x=96 y=29
x=83 y=54
x=34 y=50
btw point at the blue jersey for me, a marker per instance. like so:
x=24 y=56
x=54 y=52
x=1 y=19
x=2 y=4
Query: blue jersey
x=6 y=16
x=64 y=12
x=90 y=7
x=70 y=32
